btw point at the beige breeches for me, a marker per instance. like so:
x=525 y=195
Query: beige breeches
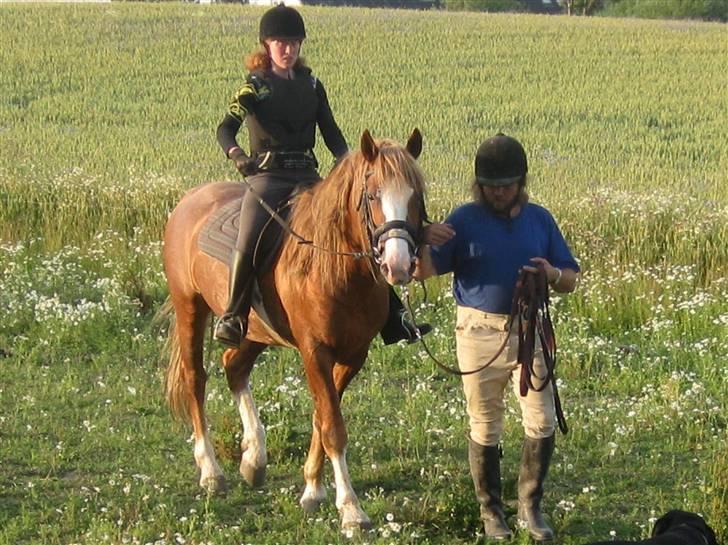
x=479 y=335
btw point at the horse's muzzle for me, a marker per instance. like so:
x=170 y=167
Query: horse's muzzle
x=397 y=262
x=395 y=277
x=394 y=247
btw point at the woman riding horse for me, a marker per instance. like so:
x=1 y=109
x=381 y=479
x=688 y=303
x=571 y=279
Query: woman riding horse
x=328 y=300
x=281 y=103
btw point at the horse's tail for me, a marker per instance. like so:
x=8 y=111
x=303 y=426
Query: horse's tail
x=173 y=379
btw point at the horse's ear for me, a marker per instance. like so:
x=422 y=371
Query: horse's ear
x=414 y=144
x=368 y=148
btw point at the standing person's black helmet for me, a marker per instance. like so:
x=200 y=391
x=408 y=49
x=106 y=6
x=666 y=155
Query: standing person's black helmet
x=282 y=22
x=501 y=160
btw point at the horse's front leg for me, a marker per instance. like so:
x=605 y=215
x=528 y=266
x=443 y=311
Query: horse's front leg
x=327 y=382
x=238 y=365
x=315 y=493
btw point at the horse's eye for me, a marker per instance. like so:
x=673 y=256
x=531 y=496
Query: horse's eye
x=376 y=195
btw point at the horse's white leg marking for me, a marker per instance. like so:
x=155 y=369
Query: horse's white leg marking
x=211 y=477
x=396 y=256
x=352 y=515
x=315 y=492
x=255 y=458
x=313 y=495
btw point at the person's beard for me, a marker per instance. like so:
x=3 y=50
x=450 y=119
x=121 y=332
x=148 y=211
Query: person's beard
x=502 y=207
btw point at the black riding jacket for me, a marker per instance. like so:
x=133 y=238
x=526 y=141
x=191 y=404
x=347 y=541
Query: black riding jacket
x=281 y=115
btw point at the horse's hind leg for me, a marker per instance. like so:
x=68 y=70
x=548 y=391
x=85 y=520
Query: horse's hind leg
x=327 y=381
x=238 y=364
x=191 y=319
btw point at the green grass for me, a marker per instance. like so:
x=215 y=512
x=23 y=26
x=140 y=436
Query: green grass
x=107 y=115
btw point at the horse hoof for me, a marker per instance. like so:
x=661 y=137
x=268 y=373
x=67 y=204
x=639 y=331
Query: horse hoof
x=310 y=506
x=215 y=486
x=254 y=476
x=357 y=525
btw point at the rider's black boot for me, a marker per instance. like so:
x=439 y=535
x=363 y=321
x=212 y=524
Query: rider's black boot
x=398 y=328
x=232 y=326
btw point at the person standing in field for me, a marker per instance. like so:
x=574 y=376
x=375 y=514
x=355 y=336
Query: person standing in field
x=492 y=239
x=281 y=103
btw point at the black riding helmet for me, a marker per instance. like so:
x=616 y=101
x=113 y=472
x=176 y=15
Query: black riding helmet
x=501 y=160
x=282 y=22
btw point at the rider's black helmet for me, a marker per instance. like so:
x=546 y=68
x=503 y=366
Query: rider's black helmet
x=282 y=22
x=501 y=160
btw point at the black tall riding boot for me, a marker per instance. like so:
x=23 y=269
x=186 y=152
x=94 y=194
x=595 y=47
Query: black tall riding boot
x=397 y=327
x=534 y=467
x=485 y=470
x=232 y=326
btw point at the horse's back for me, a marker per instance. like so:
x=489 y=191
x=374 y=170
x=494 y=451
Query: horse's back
x=195 y=207
x=184 y=225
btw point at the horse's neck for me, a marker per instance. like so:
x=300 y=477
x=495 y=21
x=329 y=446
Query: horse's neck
x=329 y=218
x=332 y=213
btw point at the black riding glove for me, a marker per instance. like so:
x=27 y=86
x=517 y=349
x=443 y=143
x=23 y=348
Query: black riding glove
x=247 y=166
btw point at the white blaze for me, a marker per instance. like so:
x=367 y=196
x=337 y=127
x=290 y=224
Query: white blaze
x=396 y=254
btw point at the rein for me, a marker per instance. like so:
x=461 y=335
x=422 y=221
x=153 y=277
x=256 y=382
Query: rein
x=301 y=240
x=441 y=365
x=377 y=235
x=530 y=310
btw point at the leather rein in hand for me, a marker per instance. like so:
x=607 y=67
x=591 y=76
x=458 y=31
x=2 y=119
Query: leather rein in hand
x=530 y=310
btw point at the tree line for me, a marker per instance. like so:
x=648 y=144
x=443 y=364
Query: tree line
x=711 y=10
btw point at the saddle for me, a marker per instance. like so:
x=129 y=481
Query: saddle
x=218 y=237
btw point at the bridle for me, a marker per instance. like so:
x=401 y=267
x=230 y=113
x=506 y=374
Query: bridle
x=394 y=229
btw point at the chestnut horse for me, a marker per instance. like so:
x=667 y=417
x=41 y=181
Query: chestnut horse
x=321 y=300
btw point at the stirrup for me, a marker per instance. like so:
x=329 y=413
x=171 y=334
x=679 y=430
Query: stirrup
x=230 y=330
x=414 y=332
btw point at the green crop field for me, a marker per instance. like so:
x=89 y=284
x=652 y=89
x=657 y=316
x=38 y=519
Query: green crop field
x=108 y=114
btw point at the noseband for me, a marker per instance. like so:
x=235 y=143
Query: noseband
x=393 y=229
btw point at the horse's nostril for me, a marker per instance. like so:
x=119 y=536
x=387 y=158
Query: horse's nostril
x=384 y=268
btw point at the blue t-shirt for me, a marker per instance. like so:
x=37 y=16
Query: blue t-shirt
x=487 y=252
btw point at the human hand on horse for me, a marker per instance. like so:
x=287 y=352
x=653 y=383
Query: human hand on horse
x=434 y=234
x=438 y=233
x=246 y=165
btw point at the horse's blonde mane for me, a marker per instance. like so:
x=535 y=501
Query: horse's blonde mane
x=322 y=213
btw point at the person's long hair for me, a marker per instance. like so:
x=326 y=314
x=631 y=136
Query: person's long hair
x=259 y=61
x=477 y=193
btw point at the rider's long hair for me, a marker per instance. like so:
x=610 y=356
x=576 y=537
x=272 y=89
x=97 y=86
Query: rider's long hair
x=259 y=61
